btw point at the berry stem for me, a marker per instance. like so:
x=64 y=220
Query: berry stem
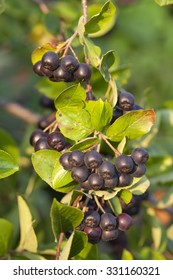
x=85 y=10
x=69 y=41
x=116 y=152
x=98 y=204
x=59 y=246
x=50 y=125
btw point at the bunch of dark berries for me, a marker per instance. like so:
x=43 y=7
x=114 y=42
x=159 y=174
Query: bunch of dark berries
x=62 y=69
x=92 y=172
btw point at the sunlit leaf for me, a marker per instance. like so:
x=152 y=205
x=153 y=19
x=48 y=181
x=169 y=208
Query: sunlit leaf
x=164 y=2
x=8 y=165
x=6 y=232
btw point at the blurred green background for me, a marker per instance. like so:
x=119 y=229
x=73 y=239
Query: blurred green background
x=143 y=40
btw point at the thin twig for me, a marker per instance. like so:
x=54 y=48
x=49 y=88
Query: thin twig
x=69 y=41
x=58 y=250
x=85 y=10
x=98 y=204
x=116 y=152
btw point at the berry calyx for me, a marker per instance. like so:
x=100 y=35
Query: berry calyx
x=92 y=219
x=69 y=63
x=124 y=164
x=108 y=222
x=125 y=101
x=76 y=158
x=56 y=141
x=106 y=170
x=93 y=159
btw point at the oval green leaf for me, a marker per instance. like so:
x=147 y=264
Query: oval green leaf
x=6 y=232
x=8 y=165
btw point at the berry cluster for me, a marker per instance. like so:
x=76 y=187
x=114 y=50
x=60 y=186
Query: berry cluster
x=62 y=69
x=92 y=172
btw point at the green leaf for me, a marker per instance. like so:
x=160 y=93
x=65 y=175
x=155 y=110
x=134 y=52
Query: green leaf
x=126 y=255
x=74 y=245
x=125 y=195
x=44 y=162
x=85 y=144
x=167 y=200
x=115 y=205
x=49 y=88
x=60 y=177
x=2 y=6
x=102 y=20
x=107 y=61
x=90 y=252
x=148 y=253
x=6 y=232
x=139 y=185
x=132 y=125
x=101 y=113
x=8 y=165
x=28 y=239
x=92 y=51
x=121 y=145
x=164 y=2
x=64 y=218
x=8 y=144
x=70 y=197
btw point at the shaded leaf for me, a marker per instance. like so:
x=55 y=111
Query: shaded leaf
x=8 y=165
x=8 y=144
x=2 y=6
x=107 y=61
x=148 y=253
x=90 y=252
x=85 y=144
x=92 y=51
x=49 y=88
x=6 y=232
x=126 y=255
x=115 y=205
x=167 y=200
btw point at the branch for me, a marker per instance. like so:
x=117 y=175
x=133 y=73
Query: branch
x=85 y=10
x=58 y=250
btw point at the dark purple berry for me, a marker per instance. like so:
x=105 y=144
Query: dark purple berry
x=92 y=219
x=80 y=174
x=136 y=107
x=117 y=112
x=47 y=72
x=109 y=235
x=124 y=221
x=124 y=164
x=47 y=102
x=125 y=101
x=36 y=135
x=37 y=68
x=50 y=60
x=93 y=159
x=108 y=222
x=46 y=121
x=111 y=183
x=106 y=170
x=76 y=158
x=140 y=171
x=60 y=75
x=64 y=160
x=41 y=144
x=69 y=63
x=140 y=155
x=125 y=180
x=56 y=141
x=94 y=234
x=95 y=181
x=83 y=72
x=85 y=186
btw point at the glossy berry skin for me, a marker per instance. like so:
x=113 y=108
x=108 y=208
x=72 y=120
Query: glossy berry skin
x=92 y=219
x=47 y=72
x=94 y=234
x=41 y=144
x=93 y=159
x=46 y=120
x=69 y=63
x=124 y=164
x=80 y=174
x=136 y=107
x=140 y=171
x=108 y=222
x=106 y=170
x=124 y=221
x=95 y=181
x=56 y=141
x=64 y=160
x=85 y=186
x=140 y=155
x=36 y=135
x=37 y=68
x=83 y=72
x=60 y=75
x=117 y=112
x=109 y=235
x=125 y=180
x=50 y=60
x=111 y=183
x=125 y=101
x=76 y=158
x=47 y=102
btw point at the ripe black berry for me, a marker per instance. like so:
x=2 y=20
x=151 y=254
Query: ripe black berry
x=80 y=174
x=136 y=107
x=108 y=222
x=109 y=235
x=83 y=72
x=140 y=171
x=124 y=221
x=85 y=186
x=47 y=72
x=111 y=183
x=117 y=112
x=37 y=68
x=60 y=75
x=94 y=234
x=124 y=180
x=93 y=159
x=125 y=101
x=95 y=181
x=41 y=144
x=106 y=170
x=36 y=135
x=69 y=63
x=46 y=120
x=47 y=102
x=140 y=155
x=50 y=60
x=92 y=219
x=64 y=160
x=124 y=164
x=56 y=140
x=76 y=158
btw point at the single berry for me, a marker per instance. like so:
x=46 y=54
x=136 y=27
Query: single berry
x=94 y=234
x=111 y=183
x=140 y=155
x=36 y=135
x=41 y=144
x=76 y=158
x=60 y=75
x=124 y=221
x=64 y=160
x=93 y=159
x=50 y=60
x=47 y=72
x=125 y=180
x=117 y=112
x=109 y=235
x=124 y=164
x=92 y=219
x=37 y=68
x=108 y=222
x=85 y=185
x=140 y=171
x=106 y=170
x=125 y=101
x=80 y=174
x=56 y=140
x=136 y=107
x=46 y=120
x=95 y=181
x=47 y=102
x=83 y=72
x=69 y=63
